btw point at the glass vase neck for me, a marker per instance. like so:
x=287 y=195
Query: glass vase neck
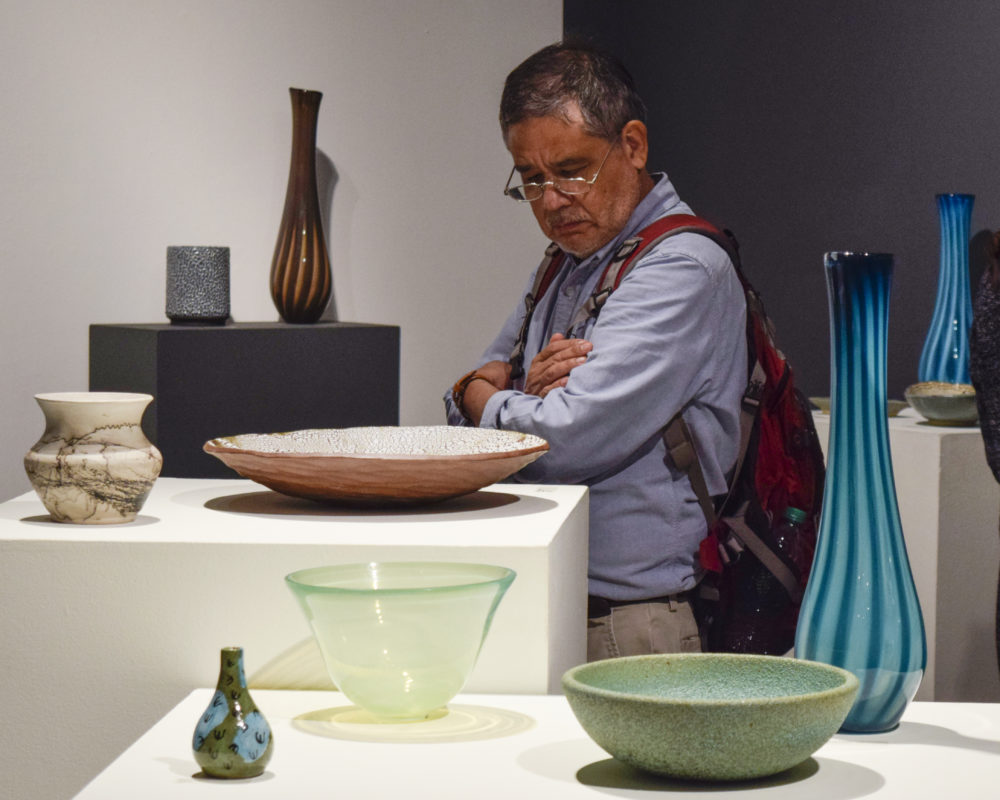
x=231 y=668
x=305 y=118
x=859 y=287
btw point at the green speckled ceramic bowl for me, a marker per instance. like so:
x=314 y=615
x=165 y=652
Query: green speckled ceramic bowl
x=710 y=716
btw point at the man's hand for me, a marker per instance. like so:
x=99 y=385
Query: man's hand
x=551 y=367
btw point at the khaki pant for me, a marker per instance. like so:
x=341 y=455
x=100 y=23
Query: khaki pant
x=641 y=628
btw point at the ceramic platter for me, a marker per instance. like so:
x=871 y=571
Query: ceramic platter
x=378 y=465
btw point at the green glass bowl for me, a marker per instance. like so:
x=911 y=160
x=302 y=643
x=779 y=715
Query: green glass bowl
x=710 y=716
x=400 y=639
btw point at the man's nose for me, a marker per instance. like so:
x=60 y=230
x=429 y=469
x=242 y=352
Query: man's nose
x=553 y=199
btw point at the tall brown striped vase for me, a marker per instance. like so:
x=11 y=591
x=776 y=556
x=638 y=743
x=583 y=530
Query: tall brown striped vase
x=300 y=271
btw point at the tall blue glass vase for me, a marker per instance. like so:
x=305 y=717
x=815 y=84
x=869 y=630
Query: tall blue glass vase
x=945 y=356
x=860 y=610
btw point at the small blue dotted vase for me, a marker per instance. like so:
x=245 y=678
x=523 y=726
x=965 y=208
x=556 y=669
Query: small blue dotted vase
x=860 y=611
x=232 y=738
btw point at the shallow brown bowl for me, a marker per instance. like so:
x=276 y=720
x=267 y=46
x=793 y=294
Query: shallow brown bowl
x=378 y=465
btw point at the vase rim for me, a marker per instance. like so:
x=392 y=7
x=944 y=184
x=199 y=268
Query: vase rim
x=348 y=579
x=855 y=254
x=93 y=397
x=197 y=247
x=955 y=194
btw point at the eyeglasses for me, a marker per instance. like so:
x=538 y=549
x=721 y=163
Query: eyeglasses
x=530 y=192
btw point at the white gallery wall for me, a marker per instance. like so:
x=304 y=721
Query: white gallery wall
x=128 y=127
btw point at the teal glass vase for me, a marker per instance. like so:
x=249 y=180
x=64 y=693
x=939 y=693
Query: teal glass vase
x=945 y=356
x=860 y=609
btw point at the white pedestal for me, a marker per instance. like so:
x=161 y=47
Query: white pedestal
x=104 y=628
x=949 y=506
x=503 y=747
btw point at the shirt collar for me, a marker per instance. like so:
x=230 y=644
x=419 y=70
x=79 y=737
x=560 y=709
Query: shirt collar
x=661 y=200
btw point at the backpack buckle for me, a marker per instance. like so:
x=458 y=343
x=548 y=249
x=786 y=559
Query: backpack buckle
x=756 y=383
x=626 y=248
x=595 y=302
x=754 y=392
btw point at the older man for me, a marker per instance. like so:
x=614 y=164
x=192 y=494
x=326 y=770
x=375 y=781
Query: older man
x=671 y=339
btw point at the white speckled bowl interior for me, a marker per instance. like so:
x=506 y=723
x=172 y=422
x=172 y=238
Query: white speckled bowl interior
x=378 y=465
x=710 y=716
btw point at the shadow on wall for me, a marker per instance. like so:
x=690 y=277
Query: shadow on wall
x=326 y=181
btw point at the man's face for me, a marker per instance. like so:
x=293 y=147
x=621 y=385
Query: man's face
x=546 y=148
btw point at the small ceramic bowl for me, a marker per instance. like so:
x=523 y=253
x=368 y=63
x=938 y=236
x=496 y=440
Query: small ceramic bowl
x=892 y=407
x=944 y=403
x=710 y=716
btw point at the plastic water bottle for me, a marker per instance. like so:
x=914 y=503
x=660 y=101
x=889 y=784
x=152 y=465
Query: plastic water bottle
x=792 y=540
x=764 y=615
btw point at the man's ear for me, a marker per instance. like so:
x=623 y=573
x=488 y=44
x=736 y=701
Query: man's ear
x=635 y=143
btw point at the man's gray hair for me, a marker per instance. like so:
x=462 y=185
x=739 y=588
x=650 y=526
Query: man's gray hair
x=545 y=83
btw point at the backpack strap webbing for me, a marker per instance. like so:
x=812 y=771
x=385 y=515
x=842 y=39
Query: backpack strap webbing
x=544 y=276
x=680 y=446
x=737 y=524
x=749 y=406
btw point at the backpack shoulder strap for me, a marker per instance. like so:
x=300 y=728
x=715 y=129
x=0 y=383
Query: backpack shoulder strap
x=544 y=276
x=680 y=443
x=680 y=446
x=677 y=436
x=635 y=247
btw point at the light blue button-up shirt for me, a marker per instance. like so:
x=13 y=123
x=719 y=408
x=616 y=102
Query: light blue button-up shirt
x=670 y=338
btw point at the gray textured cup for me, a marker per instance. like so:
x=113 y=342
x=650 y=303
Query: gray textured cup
x=198 y=284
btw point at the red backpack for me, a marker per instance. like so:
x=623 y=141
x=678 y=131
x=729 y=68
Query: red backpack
x=756 y=563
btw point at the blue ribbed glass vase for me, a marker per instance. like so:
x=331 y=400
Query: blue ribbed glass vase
x=945 y=356
x=860 y=610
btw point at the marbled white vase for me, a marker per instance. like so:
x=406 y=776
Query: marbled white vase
x=232 y=738
x=93 y=464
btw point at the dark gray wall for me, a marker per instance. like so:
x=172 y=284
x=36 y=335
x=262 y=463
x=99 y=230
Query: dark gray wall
x=815 y=126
